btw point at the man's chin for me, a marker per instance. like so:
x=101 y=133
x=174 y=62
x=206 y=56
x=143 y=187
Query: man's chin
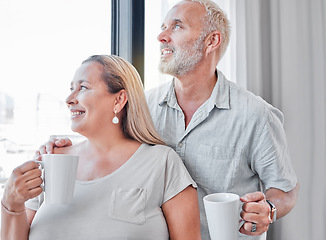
x=167 y=72
x=164 y=69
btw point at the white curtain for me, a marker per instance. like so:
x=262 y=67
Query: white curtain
x=286 y=65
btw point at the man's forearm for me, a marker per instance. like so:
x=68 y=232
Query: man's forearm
x=283 y=201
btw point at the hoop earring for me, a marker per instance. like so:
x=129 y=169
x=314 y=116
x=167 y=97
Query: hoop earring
x=115 y=120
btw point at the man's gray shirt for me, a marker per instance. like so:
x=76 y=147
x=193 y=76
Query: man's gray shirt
x=235 y=141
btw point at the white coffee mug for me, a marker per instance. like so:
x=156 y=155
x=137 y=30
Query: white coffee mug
x=223 y=214
x=59 y=176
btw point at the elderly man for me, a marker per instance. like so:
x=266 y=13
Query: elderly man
x=229 y=139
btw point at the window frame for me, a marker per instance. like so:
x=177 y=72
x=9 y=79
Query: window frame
x=128 y=31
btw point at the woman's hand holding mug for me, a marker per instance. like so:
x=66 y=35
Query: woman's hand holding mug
x=23 y=184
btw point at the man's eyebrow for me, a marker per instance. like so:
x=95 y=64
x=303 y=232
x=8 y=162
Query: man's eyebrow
x=82 y=80
x=177 y=20
x=174 y=21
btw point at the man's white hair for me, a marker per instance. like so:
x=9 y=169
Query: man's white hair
x=216 y=20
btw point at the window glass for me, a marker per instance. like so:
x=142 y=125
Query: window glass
x=42 y=44
x=155 y=12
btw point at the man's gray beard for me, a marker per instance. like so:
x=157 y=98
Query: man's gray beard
x=184 y=60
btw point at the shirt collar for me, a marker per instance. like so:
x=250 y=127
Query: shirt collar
x=168 y=95
x=220 y=94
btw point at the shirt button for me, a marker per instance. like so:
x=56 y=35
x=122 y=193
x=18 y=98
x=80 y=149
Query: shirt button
x=180 y=145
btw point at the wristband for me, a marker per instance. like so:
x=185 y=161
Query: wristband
x=11 y=212
x=273 y=211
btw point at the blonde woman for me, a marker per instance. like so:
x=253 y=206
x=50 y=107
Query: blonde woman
x=129 y=185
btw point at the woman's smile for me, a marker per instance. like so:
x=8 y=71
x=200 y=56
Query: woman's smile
x=76 y=113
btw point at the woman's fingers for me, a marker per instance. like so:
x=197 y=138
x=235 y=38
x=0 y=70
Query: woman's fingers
x=23 y=184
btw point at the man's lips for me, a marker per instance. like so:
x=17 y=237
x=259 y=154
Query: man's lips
x=166 y=51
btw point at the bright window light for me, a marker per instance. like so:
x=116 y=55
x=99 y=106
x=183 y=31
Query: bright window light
x=42 y=44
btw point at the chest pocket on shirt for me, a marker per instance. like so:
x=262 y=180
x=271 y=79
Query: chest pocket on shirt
x=128 y=205
x=216 y=167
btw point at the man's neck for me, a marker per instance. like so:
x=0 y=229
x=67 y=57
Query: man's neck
x=192 y=90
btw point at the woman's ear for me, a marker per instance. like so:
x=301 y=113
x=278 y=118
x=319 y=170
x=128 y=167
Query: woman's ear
x=120 y=100
x=213 y=41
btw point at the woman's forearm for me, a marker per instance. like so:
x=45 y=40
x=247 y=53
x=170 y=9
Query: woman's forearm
x=14 y=225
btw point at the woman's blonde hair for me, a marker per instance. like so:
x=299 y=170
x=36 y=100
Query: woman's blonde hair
x=119 y=74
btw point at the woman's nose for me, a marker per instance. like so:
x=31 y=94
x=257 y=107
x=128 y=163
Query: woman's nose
x=71 y=99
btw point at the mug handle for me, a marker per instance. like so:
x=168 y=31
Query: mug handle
x=41 y=164
x=241 y=222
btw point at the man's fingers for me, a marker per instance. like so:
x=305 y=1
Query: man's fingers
x=248 y=226
x=256 y=207
x=253 y=197
x=251 y=207
x=250 y=217
x=256 y=212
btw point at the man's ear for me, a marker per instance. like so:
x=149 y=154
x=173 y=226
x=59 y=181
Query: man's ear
x=120 y=100
x=213 y=41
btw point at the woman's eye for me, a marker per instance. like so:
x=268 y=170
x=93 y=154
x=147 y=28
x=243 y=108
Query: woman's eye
x=83 y=87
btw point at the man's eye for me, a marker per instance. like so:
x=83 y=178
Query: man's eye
x=177 y=26
x=83 y=87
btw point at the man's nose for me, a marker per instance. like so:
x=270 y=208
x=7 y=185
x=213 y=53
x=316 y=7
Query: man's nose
x=164 y=37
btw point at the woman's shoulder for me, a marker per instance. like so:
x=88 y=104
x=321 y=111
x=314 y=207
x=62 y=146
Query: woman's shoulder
x=157 y=148
x=161 y=152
